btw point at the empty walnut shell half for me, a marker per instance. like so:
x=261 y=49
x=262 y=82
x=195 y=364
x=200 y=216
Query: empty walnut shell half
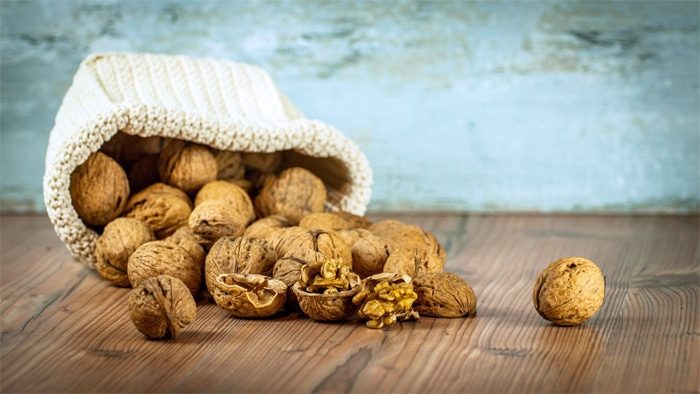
x=99 y=189
x=569 y=291
x=295 y=193
x=327 y=307
x=161 y=307
x=249 y=295
x=443 y=294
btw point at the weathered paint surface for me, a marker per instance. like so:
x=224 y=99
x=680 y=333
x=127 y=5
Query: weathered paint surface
x=542 y=106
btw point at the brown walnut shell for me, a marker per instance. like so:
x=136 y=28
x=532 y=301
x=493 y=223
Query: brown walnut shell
x=99 y=189
x=163 y=208
x=186 y=166
x=295 y=193
x=369 y=254
x=266 y=228
x=327 y=307
x=314 y=247
x=324 y=221
x=185 y=238
x=443 y=294
x=355 y=221
x=569 y=291
x=353 y=235
x=263 y=162
x=240 y=255
x=120 y=238
x=213 y=220
x=161 y=307
x=229 y=165
x=430 y=255
x=237 y=198
x=249 y=295
x=143 y=173
x=164 y=258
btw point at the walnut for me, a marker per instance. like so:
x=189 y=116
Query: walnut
x=161 y=307
x=244 y=184
x=186 y=166
x=295 y=193
x=236 y=197
x=249 y=295
x=569 y=291
x=164 y=258
x=386 y=298
x=143 y=173
x=240 y=255
x=229 y=165
x=99 y=189
x=213 y=220
x=286 y=239
x=324 y=221
x=369 y=254
x=186 y=239
x=411 y=262
x=162 y=207
x=443 y=294
x=326 y=294
x=355 y=221
x=262 y=162
x=266 y=228
x=314 y=247
x=120 y=238
x=429 y=254
x=288 y=270
x=353 y=235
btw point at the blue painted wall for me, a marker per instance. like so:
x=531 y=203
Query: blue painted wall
x=482 y=106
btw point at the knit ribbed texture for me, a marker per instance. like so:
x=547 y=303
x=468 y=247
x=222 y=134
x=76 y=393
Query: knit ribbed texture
x=222 y=104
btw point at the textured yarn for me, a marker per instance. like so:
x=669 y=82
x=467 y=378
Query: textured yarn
x=222 y=104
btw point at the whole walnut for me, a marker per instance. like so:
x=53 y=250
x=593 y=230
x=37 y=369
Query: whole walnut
x=369 y=254
x=213 y=220
x=99 y=189
x=295 y=193
x=120 y=238
x=429 y=254
x=143 y=173
x=569 y=291
x=162 y=207
x=240 y=255
x=353 y=235
x=186 y=166
x=249 y=295
x=314 y=247
x=262 y=162
x=185 y=238
x=229 y=165
x=266 y=228
x=236 y=196
x=161 y=307
x=355 y=221
x=443 y=294
x=411 y=262
x=324 y=221
x=164 y=258
x=288 y=270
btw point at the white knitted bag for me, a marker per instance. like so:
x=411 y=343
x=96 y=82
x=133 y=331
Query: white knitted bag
x=222 y=104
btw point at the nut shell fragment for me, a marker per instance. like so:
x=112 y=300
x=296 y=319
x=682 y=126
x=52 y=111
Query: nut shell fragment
x=161 y=307
x=99 y=189
x=120 y=238
x=249 y=295
x=443 y=294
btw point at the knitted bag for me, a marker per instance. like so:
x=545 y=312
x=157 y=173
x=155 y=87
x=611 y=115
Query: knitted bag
x=225 y=105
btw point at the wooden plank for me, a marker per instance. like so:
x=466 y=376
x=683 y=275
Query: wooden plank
x=63 y=329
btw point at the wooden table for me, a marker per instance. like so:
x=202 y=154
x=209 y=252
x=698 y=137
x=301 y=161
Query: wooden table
x=64 y=329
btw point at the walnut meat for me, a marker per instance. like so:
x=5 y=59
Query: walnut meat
x=324 y=221
x=162 y=207
x=161 y=307
x=443 y=294
x=295 y=193
x=229 y=165
x=262 y=162
x=186 y=166
x=120 y=238
x=429 y=254
x=99 y=189
x=249 y=295
x=569 y=291
x=326 y=294
x=386 y=298
x=164 y=258
x=240 y=255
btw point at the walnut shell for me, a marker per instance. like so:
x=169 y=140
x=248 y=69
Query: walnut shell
x=263 y=162
x=324 y=221
x=314 y=247
x=237 y=197
x=162 y=207
x=443 y=294
x=355 y=221
x=240 y=255
x=99 y=189
x=569 y=291
x=143 y=173
x=186 y=166
x=353 y=235
x=120 y=238
x=295 y=193
x=266 y=228
x=229 y=165
x=327 y=307
x=164 y=258
x=369 y=254
x=430 y=255
x=161 y=307
x=186 y=239
x=249 y=295
x=213 y=220
x=288 y=270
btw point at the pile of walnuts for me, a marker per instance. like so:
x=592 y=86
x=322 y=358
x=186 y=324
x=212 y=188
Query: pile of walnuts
x=179 y=221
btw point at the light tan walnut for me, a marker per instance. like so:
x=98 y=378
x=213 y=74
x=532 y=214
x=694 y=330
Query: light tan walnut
x=164 y=258
x=185 y=238
x=186 y=166
x=120 y=238
x=99 y=189
x=161 y=307
x=163 y=208
x=266 y=228
x=370 y=253
x=429 y=254
x=314 y=247
x=249 y=295
x=443 y=294
x=240 y=255
x=355 y=221
x=262 y=162
x=229 y=165
x=386 y=298
x=237 y=197
x=295 y=193
x=143 y=172
x=324 y=221
x=213 y=220
x=569 y=291
x=353 y=235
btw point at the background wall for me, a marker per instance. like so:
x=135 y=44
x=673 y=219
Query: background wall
x=541 y=106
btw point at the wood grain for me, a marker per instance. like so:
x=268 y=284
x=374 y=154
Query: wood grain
x=63 y=329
